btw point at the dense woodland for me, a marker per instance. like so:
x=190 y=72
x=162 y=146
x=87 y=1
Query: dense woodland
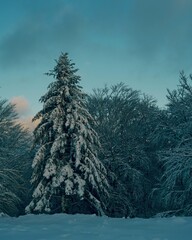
x=113 y=152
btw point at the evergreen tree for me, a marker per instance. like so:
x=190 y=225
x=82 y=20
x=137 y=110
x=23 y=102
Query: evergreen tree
x=67 y=175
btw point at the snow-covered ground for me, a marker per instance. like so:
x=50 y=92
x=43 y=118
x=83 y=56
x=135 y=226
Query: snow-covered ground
x=90 y=227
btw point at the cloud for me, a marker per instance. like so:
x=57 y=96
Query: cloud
x=22 y=106
x=50 y=26
x=149 y=31
x=27 y=123
x=161 y=30
x=46 y=25
x=23 y=109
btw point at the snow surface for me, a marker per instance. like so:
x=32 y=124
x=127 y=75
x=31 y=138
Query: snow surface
x=91 y=227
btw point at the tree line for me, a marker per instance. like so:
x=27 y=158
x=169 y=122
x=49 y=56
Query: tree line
x=113 y=152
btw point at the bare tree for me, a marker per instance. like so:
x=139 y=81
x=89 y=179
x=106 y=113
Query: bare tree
x=14 y=161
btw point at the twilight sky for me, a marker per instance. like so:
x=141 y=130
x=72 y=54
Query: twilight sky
x=143 y=43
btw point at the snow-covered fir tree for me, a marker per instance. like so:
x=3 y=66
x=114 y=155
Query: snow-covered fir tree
x=67 y=174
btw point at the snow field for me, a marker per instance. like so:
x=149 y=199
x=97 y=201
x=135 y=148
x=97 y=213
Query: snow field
x=91 y=227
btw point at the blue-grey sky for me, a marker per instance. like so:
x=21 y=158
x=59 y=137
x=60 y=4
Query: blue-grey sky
x=143 y=43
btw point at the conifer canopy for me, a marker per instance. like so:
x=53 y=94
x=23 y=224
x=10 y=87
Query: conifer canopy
x=67 y=174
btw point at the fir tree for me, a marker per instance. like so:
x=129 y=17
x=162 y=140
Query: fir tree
x=67 y=175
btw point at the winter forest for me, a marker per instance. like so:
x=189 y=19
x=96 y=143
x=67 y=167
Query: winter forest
x=113 y=152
